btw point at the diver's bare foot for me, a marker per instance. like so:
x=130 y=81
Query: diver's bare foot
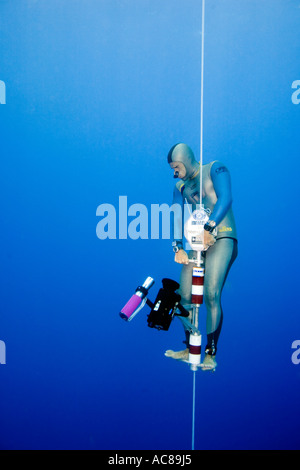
x=209 y=363
x=179 y=355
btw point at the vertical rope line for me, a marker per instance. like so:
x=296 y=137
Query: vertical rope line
x=194 y=403
x=202 y=88
x=200 y=176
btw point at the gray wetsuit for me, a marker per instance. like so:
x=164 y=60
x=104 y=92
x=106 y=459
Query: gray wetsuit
x=218 y=259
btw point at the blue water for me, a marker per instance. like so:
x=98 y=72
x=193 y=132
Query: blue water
x=97 y=91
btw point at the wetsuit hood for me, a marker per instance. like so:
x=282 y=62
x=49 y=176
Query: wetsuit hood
x=183 y=153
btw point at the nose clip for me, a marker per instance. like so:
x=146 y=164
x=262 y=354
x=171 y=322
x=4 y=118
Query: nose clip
x=176 y=174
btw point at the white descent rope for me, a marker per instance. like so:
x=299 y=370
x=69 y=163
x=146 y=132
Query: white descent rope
x=194 y=403
x=200 y=195
x=201 y=105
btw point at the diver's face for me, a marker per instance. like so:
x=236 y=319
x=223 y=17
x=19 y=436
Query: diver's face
x=179 y=169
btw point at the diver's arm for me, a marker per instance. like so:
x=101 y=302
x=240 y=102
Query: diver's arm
x=222 y=185
x=181 y=256
x=177 y=220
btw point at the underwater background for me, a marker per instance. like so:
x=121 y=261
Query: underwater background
x=97 y=91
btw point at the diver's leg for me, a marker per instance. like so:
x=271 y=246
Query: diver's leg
x=185 y=291
x=186 y=296
x=219 y=259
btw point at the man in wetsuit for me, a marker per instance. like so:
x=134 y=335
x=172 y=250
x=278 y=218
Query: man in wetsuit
x=221 y=251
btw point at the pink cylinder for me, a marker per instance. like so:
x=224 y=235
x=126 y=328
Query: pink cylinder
x=132 y=304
